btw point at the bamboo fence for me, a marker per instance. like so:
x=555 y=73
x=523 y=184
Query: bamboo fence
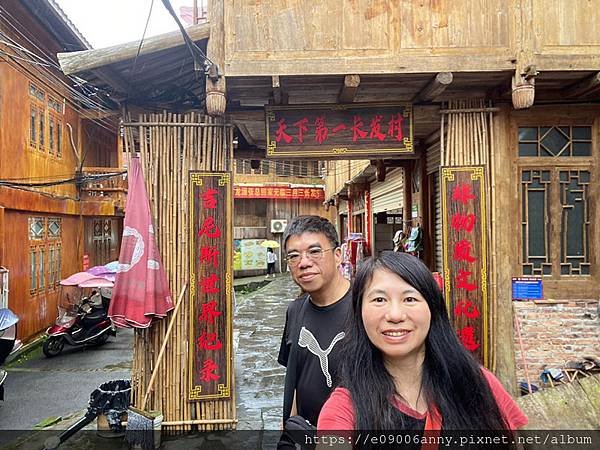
x=170 y=145
x=467 y=140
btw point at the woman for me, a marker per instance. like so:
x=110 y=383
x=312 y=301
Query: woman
x=404 y=367
x=271 y=259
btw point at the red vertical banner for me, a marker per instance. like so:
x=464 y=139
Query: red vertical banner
x=211 y=277
x=465 y=256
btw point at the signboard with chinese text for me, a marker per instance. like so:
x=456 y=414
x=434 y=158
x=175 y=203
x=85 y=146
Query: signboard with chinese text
x=527 y=288
x=249 y=254
x=279 y=192
x=211 y=276
x=465 y=256
x=339 y=131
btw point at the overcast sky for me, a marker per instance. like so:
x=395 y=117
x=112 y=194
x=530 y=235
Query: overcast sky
x=108 y=22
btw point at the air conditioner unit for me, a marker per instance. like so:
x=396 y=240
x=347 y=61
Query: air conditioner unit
x=278 y=225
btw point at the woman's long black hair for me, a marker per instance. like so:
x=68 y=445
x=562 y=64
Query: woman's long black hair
x=452 y=379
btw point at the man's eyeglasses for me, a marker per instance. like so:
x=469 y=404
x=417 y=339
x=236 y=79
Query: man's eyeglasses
x=314 y=254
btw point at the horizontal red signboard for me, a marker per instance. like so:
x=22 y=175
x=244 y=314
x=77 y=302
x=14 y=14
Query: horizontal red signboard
x=339 y=131
x=282 y=192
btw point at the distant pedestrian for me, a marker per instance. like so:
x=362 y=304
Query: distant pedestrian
x=271 y=259
x=314 y=323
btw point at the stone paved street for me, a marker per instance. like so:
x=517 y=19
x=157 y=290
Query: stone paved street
x=258 y=325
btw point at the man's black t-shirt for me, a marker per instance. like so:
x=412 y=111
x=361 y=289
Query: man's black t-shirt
x=321 y=331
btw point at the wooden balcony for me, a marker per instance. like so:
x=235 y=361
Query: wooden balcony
x=113 y=189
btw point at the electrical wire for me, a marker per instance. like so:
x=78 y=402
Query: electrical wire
x=132 y=71
x=191 y=45
x=47 y=59
x=85 y=178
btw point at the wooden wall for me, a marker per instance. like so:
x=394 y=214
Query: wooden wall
x=341 y=171
x=565 y=31
x=252 y=219
x=17 y=158
x=23 y=162
x=102 y=239
x=565 y=287
x=363 y=36
x=259 y=212
x=100 y=145
x=286 y=33
x=508 y=247
x=37 y=310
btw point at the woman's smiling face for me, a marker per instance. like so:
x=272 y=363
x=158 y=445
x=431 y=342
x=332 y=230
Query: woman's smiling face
x=395 y=315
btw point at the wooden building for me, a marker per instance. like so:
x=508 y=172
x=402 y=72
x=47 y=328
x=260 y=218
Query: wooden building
x=55 y=205
x=265 y=199
x=502 y=99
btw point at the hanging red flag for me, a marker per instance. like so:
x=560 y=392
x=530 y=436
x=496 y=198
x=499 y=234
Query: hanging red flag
x=141 y=293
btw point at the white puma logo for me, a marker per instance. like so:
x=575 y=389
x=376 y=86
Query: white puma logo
x=307 y=340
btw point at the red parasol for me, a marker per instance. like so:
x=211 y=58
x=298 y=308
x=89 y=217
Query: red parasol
x=141 y=293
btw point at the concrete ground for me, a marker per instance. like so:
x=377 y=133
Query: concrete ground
x=39 y=388
x=258 y=325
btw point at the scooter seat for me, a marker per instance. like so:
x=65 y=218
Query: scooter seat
x=97 y=315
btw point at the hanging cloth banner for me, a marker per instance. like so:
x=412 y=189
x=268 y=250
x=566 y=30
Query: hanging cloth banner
x=141 y=293
x=465 y=256
x=211 y=276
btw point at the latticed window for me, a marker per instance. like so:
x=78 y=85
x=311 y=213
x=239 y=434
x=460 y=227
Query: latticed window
x=54 y=227
x=549 y=142
x=45 y=253
x=36 y=228
x=242 y=166
x=282 y=168
x=42 y=136
x=42 y=273
x=59 y=139
x=32 y=270
x=54 y=252
x=263 y=169
x=555 y=200
x=33 y=126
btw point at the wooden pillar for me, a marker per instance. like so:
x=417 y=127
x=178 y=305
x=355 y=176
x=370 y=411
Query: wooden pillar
x=505 y=200
x=407 y=213
x=215 y=83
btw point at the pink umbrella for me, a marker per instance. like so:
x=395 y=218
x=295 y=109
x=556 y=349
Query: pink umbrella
x=98 y=270
x=96 y=283
x=77 y=278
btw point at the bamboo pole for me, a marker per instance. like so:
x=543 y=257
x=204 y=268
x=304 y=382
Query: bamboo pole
x=168 y=153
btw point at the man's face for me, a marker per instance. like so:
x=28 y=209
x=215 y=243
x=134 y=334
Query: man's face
x=315 y=262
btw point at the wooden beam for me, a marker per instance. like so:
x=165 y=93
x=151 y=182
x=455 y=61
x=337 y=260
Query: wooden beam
x=280 y=96
x=435 y=87
x=95 y=114
x=75 y=62
x=349 y=88
x=215 y=51
x=250 y=153
x=245 y=132
x=585 y=86
x=112 y=78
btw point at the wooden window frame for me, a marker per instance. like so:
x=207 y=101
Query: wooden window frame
x=33 y=269
x=37 y=102
x=557 y=285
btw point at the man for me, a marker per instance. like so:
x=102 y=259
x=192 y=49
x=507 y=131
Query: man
x=314 y=322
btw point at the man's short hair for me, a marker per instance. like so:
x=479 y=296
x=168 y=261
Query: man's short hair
x=311 y=224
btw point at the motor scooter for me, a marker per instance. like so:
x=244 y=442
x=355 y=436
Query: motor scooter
x=82 y=320
x=8 y=341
